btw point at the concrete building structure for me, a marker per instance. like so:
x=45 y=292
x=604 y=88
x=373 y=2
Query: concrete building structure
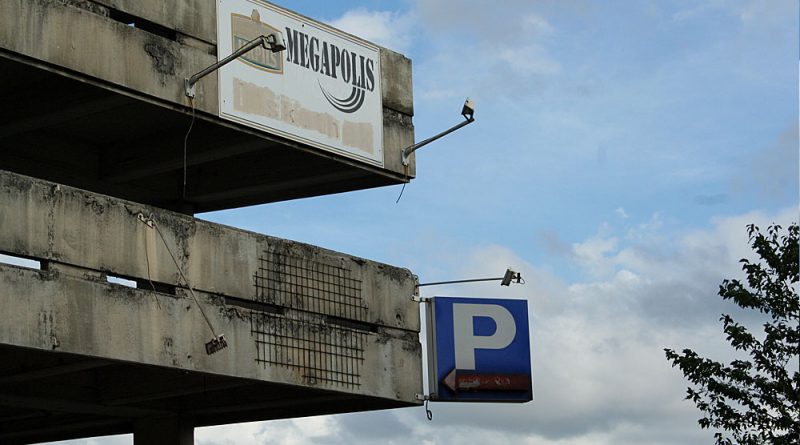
x=103 y=80
x=91 y=187
x=309 y=331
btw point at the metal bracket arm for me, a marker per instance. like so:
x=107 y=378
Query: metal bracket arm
x=272 y=42
x=408 y=150
x=509 y=277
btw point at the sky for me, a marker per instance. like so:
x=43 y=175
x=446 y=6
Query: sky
x=620 y=150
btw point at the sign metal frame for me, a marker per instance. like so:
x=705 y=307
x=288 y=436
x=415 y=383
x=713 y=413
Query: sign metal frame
x=287 y=95
x=501 y=374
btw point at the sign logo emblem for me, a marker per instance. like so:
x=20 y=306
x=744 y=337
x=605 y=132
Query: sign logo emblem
x=349 y=105
x=245 y=29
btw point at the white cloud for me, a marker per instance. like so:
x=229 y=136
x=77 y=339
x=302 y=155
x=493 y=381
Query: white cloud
x=537 y=24
x=278 y=432
x=594 y=254
x=528 y=60
x=482 y=48
x=772 y=170
x=123 y=439
x=749 y=12
x=599 y=369
x=766 y=14
x=242 y=433
x=385 y=28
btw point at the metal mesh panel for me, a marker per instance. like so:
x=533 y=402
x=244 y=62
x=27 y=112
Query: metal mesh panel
x=301 y=283
x=323 y=353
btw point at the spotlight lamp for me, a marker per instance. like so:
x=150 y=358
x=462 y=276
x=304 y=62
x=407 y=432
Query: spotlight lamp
x=468 y=111
x=275 y=42
x=511 y=277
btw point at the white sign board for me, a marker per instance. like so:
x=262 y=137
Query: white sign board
x=324 y=89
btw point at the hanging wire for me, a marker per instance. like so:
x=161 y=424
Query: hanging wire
x=185 y=145
x=186 y=282
x=428 y=412
x=147 y=261
x=150 y=222
x=401 y=193
x=405 y=173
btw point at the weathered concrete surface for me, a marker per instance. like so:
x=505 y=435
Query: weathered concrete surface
x=63 y=224
x=91 y=41
x=193 y=18
x=398 y=130
x=93 y=44
x=309 y=331
x=53 y=311
x=396 y=80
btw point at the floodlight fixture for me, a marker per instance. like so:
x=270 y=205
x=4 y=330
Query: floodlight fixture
x=468 y=111
x=273 y=42
x=276 y=42
x=509 y=277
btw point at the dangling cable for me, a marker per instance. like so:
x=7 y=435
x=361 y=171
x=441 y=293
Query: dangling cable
x=185 y=145
x=428 y=412
x=401 y=193
x=405 y=173
x=147 y=262
x=218 y=341
x=149 y=222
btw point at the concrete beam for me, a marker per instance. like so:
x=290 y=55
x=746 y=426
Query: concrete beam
x=172 y=430
x=318 y=319
x=125 y=56
x=39 y=118
x=52 y=371
x=271 y=404
x=58 y=312
x=45 y=433
x=193 y=18
x=177 y=392
x=398 y=94
x=149 y=163
x=75 y=407
x=211 y=193
x=65 y=225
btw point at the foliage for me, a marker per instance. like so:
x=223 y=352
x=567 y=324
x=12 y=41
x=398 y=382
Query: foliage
x=755 y=401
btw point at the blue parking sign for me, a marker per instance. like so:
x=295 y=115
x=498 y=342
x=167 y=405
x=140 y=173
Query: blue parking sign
x=479 y=350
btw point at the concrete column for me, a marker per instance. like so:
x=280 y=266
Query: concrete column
x=173 y=430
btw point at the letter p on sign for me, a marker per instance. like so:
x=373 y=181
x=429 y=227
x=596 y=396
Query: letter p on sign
x=466 y=342
x=479 y=350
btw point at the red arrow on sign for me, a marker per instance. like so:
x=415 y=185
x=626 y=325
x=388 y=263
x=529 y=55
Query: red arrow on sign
x=459 y=381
